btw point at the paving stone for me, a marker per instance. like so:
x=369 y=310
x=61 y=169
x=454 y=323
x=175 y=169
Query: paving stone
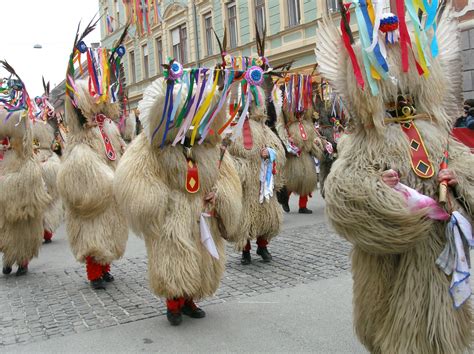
x=59 y=303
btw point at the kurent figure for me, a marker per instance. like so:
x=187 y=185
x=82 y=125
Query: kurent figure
x=303 y=144
x=256 y=150
x=23 y=197
x=178 y=197
x=261 y=216
x=45 y=138
x=410 y=285
x=128 y=129
x=96 y=227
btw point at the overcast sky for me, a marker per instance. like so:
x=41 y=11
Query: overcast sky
x=50 y=23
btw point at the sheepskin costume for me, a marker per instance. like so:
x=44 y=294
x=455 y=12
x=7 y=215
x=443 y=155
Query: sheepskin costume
x=96 y=227
x=402 y=302
x=300 y=169
x=43 y=135
x=326 y=129
x=23 y=197
x=260 y=221
x=129 y=129
x=151 y=186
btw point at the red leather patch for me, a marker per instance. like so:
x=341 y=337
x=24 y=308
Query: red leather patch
x=303 y=134
x=247 y=135
x=192 y=176
x=420 y=161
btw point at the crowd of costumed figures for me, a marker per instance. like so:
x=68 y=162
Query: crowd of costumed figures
x=216 y=153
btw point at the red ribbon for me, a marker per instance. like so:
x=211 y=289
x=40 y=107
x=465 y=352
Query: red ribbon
x=247 y=135
x=350 y=50
x=404 y=36
x=405 y=41
x=91 y=74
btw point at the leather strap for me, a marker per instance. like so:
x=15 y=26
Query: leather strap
x=303 y=134
x=109 y=149
x=420 y=161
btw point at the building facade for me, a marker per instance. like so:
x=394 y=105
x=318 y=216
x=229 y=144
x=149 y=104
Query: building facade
x=465 y=13
x=186 y=32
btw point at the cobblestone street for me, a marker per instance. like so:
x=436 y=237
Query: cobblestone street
x=60 y=302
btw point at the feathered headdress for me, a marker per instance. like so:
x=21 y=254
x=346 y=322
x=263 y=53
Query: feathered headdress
x=13 y=94
x=389 y=59
x=105 y=84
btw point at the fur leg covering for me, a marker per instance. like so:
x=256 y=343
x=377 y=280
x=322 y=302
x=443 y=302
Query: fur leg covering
x=94 y=269
x=47 y=235
x=106 y=268
x=262 y=242
x=303 y=202
x=175 y=304
x=248 y=246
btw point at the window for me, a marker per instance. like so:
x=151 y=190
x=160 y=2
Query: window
x=117 y=14
x=179 y=40
x=294 y=12
x=333 y=5
x=232 y=19
x=260 y=15
x=208 y=29
x=133 y=74
x=146 y=72
x=159 y=54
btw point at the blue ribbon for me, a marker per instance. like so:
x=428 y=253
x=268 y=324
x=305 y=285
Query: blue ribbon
x=431 y=11
x=378 y=55
x=169 y=91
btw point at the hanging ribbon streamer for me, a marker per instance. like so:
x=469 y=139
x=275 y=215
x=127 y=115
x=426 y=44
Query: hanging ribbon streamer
x=362 y=9
x=404 y=36
x=205 y=106
x=431 y=11
x=347 y=43
x=229 y=78
x=421 y=40
x=379 y=5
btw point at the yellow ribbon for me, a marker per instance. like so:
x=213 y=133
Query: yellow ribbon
x=370 y=10
x=375 y=73
x=203 y=109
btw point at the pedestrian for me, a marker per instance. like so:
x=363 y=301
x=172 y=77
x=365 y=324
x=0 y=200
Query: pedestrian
x=411 y=289
x=467 y=119
x=96 y=227
x=177 y=196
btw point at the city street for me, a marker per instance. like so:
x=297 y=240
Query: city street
x=301 y=302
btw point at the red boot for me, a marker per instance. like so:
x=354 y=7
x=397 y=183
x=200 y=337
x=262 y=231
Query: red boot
x=303 y=202
x=173 y=310
x=262 y=250
x=94 y=273
x=47 y=236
